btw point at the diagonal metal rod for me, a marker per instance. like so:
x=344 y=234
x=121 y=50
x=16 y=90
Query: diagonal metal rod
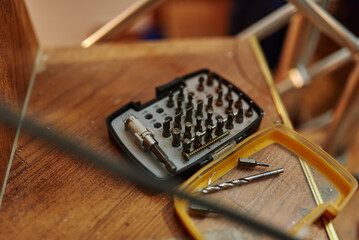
x=327 y=24
x=128 y=173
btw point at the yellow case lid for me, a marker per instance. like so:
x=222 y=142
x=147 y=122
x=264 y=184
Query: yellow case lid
x=284 y=201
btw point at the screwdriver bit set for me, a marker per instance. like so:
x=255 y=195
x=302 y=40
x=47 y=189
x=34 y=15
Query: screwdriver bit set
x=191 y=118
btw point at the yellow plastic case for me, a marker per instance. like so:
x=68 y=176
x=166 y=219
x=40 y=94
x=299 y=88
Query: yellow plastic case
x=286 y=201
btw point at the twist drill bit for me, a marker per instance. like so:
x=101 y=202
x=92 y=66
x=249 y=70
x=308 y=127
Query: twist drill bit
x=233 y=183
x=148 y=141
x=249 y=111
x=200 y=86
x=170 y=102
x=247 y=162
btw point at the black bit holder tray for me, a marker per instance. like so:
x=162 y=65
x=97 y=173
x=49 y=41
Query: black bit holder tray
x=155 y=112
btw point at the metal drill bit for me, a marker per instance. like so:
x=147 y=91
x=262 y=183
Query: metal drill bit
x=176 y=141
x=209 y=102
x=219 y=87
x=187 y=130
x=219 y=127
x=197 y=140
x=166 y=128
x=200 y=86
x=188 y=117
x=199 y=108
x=179 y=106
x=229 y=123
x=148 y=141
x=177 y=123
x=170 y=102
x=190 y=99
x=238 y=103
x=229 y=109
x=249 y=111
x=209 y=120
x=239 y=116
x=210 y=79
x=186 y=145
x=247 y=162
x=229 y=92
x=219 y=101
x=198 y=127
x=233 y=183
x=181 y=93
x=199 y=210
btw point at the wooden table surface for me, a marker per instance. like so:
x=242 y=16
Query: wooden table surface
x=51 y=195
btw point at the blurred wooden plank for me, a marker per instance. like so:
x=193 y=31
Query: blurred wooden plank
x=51 y=195
x=18 y=50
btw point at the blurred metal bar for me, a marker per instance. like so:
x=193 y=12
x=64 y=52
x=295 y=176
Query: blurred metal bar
x=327 y=24
x=269 y=24
x=300 y=76
x=121 y=21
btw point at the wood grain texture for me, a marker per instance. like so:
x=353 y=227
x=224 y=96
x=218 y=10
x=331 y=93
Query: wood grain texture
x=52 y=195
x=18 y=50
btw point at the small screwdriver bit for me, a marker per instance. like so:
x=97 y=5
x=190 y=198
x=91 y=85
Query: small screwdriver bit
x=199 y=210
x=209 y=102
x=187 y=130
x=190 y=99
x=219 y=101
x=177 y=123
x=200 y=86
x=239 y=116
x=198 y=127
x=179 y=107
x=181 y=93
x=197 y=140
x=229 y=92
x=188 y=117
x=208 y=135
x=229 y=109
x=176 y=141
x=199 y=108
x=209 y=120
x=219 y=127
x=210 y=79
x=238 y=103
x=249 y=111
x=170 y=102
x=229 y=123
x=248 y=162
x=186 y=145
x=166 y=128
x=219 y=87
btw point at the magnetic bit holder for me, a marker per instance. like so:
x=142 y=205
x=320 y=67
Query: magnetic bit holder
x=233 y=183
x=146 y=141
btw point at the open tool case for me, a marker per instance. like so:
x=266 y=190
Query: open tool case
x=311 y=184
x=127 y=124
